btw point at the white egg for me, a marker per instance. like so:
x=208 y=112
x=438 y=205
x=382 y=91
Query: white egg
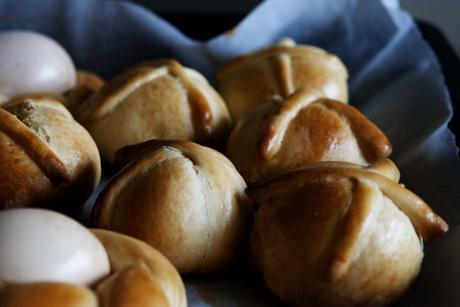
x=42 y=245
x=31 y=62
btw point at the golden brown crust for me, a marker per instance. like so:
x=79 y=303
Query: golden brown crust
x=387 y=168
x=429 y=225
x=279 y=71
x=340 y=234
x=281 y=135
x=131 y=286
x=284 y=72
x=184 y=199
x=201 y=112
x=330 y=239
x=121 y=85
x=373 y=142
x=297 y=50
x=110 y=95
x=48 y=158
x=89 y=80
x=47 y=294
x=177 y=100
x=350 y=230
x=275 y=127
x=88 y=83
x=43 y=96
x=130 y=153
x=35 y=147
x=140 y=274
x=192 y=151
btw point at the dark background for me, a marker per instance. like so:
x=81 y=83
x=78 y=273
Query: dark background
x=444 y=14
x=199 y=6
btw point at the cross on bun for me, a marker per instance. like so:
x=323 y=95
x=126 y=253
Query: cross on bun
x=154 y=100
x=48 y=159
x=184 y=199
x=338 y=234
x=279 y=71
x=283 y=134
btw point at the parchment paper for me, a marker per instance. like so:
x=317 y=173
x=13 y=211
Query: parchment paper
x=394 y=79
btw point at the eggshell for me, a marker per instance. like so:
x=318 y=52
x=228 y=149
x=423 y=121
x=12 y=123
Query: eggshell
x=42 y=245
x=31 y=62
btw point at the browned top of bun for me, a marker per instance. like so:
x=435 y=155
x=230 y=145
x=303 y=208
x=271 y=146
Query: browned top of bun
x=46 y=294
x=372 y=141
x=133 y=285
x=280 y=70
x=282 y=134
x=295 y=50
x=88 y=84
x=429 y=225
x=184 y=199
x=122 y=85
x=43 y=149
x=143 y=260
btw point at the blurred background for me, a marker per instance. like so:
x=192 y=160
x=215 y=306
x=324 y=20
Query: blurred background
x=444 y=14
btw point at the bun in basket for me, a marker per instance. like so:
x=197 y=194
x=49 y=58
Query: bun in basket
x=154 y=100
x=337 y=234
x=48 y=159
x=142 y=276
x=46 y=294
x=278 y=71
x=184 y=199
x=88 y=84
x=283 y=134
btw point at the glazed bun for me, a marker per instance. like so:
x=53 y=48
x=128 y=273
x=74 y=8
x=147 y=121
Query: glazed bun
x=46 y=294
x=337 y=234
x=155 y=100
x=278 y=71
x=283 y=134
x=133 y=286
x=184 y=199
x=142 y=276
x=87 y=85
x=48 y=159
